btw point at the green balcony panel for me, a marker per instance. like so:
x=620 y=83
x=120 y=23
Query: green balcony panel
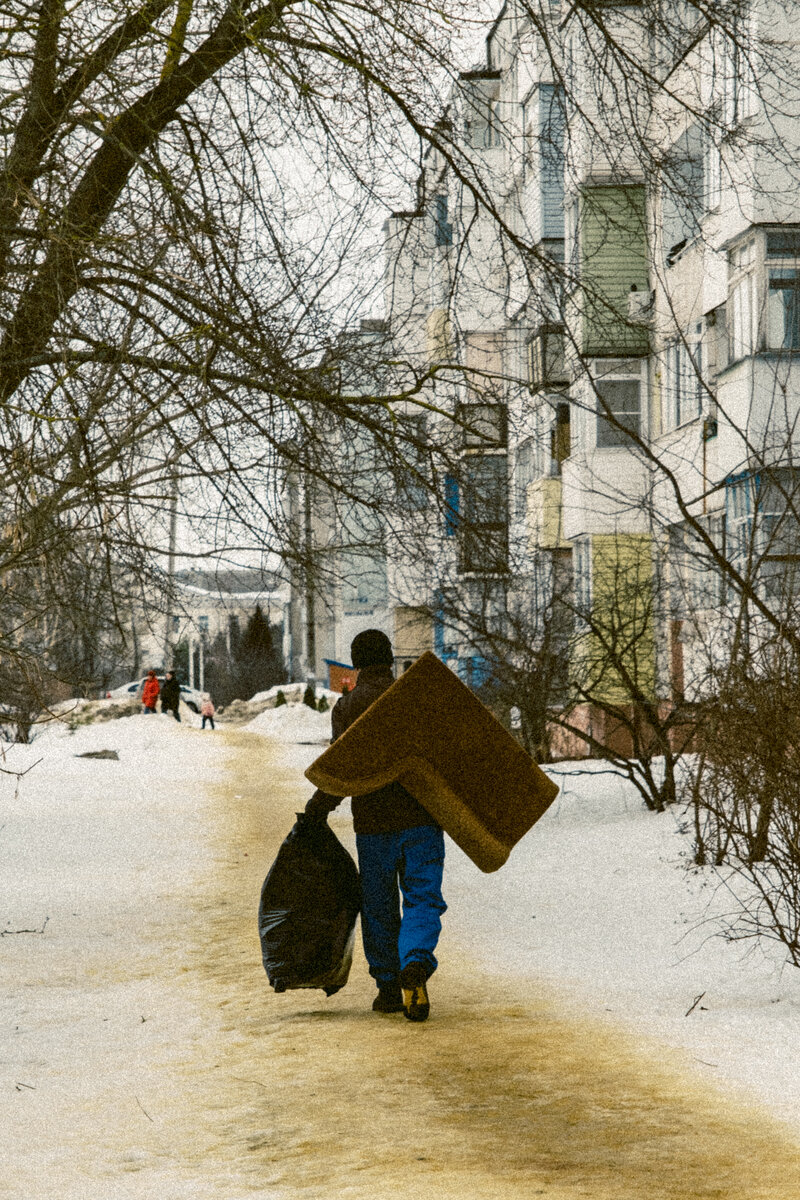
x=612 y=261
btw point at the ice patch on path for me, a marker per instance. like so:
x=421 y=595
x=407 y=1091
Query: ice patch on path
x=293 y=723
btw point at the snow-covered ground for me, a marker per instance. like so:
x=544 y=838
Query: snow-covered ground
x=596 y=901
x=601 y=901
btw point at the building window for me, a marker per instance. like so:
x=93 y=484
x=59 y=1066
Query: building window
x=484 y=528
x=618 y=410
x=673 y=28
x=582 y=575
x=573 y=248
x=683 y=192
x=483 y=112
x=546 y=358
x=763 y=529
x=560 y=437
x=734 y=50
x=739 y=499
x=712 y=173
x=452 y=503
x=483 y=425
x=742 y=306
x=526 y=470
x=202 y=624
x=530 y=139
x=443 y=230
x=411 y=467
x=763 y=309
x=696 y=582
x=783 y=308
x=683 y=379
x=444 y=636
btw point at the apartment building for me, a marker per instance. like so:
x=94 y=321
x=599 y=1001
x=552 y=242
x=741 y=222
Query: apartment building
x=601 y=291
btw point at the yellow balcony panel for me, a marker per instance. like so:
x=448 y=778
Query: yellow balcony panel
x=543 y=516
x=439 y=336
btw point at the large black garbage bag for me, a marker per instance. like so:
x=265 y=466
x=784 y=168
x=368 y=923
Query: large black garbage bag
x=307 y=916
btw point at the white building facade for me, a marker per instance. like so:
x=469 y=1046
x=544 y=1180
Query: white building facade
x=602 y=295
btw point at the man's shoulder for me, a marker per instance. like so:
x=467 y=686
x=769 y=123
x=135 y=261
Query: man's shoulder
x=351 y=705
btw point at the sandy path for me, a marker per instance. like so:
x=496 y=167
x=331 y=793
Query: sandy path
x=497 y=1096
x=223 y=1090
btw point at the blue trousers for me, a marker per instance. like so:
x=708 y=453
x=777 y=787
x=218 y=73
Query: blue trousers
x=410 y=862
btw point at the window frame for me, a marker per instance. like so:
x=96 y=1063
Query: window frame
x=712 y=172
x=752 y=260
x=622 y=373
x=751 y=521
x=684 y=388
x=739 y=98
x=695 y=584
x=744 y=259
x=475 y=440
x=527 y=469
x=483 y=535
x=442 y=227
x=412 y=494
x=546 y=355
x=783 y=264
x=582 y=576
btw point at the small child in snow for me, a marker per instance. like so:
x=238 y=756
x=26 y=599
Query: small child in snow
x=207 y=710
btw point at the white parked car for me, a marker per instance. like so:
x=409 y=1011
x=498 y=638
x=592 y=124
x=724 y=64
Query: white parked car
x=190 y=696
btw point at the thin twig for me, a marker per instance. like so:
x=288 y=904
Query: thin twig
x=20 y=774
x=253 y=1081
x=7 y=932
x=697 y=1000
x=144 y=1110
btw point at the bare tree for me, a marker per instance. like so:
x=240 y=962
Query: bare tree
x=184 y=191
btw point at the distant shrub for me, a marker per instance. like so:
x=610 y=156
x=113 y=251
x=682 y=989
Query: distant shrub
x=279 y=699
x=310 y=697
x=323 y=705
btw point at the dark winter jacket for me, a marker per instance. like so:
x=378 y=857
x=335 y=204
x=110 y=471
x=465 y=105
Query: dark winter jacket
x=390 y=808
x=170 y=693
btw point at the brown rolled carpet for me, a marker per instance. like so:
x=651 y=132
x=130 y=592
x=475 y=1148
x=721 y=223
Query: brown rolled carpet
x=433 y=735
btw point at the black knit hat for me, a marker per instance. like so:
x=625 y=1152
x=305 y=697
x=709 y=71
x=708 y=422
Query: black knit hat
x=371 y=648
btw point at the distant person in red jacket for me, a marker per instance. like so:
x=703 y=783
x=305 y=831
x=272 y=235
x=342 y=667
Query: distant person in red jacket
x=150 y=693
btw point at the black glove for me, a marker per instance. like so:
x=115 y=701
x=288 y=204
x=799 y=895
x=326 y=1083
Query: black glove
x=317 y=808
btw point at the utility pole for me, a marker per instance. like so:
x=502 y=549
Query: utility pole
x=173 y=531
x=311 y=631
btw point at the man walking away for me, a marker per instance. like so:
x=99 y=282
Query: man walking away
x=171 y=696
x=400 y=850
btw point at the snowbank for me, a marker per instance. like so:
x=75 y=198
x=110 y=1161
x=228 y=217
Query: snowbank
x=293 y=723
x=293 y=691
x=97 y=859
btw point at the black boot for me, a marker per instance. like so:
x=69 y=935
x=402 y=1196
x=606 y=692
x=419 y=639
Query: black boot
x=389 y=999
x=416 y=1005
